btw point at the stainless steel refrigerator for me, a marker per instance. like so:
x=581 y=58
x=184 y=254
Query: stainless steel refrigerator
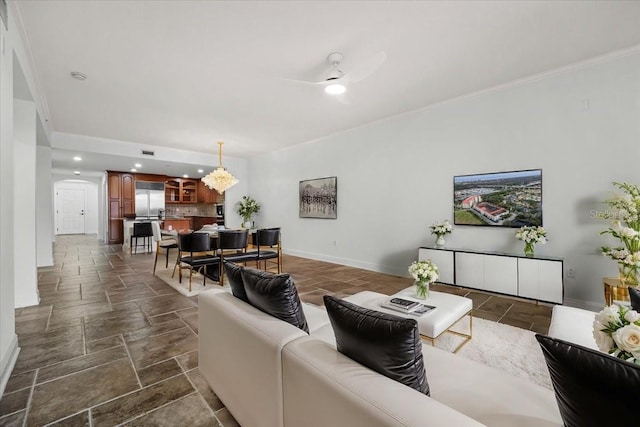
x=149 y=199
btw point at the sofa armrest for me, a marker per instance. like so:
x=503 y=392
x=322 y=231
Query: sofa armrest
x=573 y=325
x=240 y=357
x=322 y=387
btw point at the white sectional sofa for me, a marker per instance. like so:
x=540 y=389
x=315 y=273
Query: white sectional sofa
x=573 y=325
x=269 y=373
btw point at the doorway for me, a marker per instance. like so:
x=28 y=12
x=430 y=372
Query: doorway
x=70 y=211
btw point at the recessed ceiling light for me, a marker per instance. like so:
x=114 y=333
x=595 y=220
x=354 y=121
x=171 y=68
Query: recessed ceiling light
x=76 y=172
x=138 y=165
x=185 y=176
x=78 y=75
x=200 y=171
x=77 y=158
x=335 y=89
x=134 y=170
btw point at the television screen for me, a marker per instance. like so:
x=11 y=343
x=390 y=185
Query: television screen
x=500 y=199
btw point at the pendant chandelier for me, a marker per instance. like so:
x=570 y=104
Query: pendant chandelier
x=220 y=179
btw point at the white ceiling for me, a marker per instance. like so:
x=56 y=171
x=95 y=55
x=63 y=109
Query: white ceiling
x=185 y=74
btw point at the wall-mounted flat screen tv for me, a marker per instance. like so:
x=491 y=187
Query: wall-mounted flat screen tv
x=499 y=199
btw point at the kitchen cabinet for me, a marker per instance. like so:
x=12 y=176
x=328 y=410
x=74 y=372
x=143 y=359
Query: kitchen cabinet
x=181 y=190
x=539 y=277
x=121 y=191
x=207 y=195
x=177 y=224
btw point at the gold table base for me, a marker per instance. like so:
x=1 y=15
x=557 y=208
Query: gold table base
x=448 y=330
x=614 y=290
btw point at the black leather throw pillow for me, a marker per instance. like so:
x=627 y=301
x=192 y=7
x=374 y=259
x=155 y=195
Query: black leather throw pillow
x=275 y=294
x=390 y=345
x=634 y=297
x=592 y=388
x=234 y=274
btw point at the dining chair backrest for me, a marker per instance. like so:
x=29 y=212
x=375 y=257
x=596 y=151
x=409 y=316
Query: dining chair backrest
x=267 y=237
x=194 y=242
x=142 y=229
x=232 y=239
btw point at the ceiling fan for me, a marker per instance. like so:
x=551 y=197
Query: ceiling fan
x=336 y=81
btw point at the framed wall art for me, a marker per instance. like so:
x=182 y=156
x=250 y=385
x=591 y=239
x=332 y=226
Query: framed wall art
x=319 y=198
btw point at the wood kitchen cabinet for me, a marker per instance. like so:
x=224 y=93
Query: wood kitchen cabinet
x=122 y=196
x=177 y=224
x=181 y=190
x=207 y=195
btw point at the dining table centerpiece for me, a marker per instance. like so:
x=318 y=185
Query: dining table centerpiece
x=247 y=208
x=424 y=273
x=625 y=213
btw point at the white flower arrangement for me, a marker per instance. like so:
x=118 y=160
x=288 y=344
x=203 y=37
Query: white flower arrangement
x=441 y=229
x=424 y=271
x=532 y=234
x=626 y=228
x=616 y=330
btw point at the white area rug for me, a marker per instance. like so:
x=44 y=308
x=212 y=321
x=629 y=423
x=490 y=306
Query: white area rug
x=183 y=288
x=507 y=348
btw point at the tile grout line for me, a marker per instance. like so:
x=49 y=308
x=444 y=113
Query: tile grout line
x=505 y=313
x=126 y=348
x=203 y=399
x=30 y=400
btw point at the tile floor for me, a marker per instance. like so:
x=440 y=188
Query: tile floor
x=111 y=344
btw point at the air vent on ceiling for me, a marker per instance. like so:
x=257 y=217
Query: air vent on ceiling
x=148 y=153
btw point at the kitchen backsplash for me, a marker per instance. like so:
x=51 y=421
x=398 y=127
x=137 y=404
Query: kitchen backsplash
x=197 y=209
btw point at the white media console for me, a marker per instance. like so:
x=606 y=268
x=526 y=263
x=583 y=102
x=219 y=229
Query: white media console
x=537 y=277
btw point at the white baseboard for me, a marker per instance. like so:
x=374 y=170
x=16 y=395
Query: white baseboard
x=342 y=261
x=7 y=363
x=27 y=300
x=587 y=305
x=48 y=262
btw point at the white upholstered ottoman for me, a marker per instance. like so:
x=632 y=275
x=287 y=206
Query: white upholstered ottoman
x=449 y=310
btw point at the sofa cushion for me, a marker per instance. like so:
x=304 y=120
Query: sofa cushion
x=592 y=388
x=390 y=345
x=234 y=274
x=274 y=294
x=634 y=297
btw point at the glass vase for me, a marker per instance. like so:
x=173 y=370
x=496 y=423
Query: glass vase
x=528 y=248
x=422 y=289
x=628 y=275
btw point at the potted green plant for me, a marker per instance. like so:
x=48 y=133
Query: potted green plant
x=247 y=208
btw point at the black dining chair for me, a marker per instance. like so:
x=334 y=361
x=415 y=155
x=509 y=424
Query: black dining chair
x=267 y=242
x=233 y=247
x=144 y=231
x=197 y=246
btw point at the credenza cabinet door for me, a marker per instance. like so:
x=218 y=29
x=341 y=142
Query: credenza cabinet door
x=443 y=260
x=501 y=274
x=470 y=270
x=540 y=279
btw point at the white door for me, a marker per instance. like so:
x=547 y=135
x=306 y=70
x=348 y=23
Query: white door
x=70 y=211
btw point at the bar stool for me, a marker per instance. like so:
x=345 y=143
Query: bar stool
x=142 y=230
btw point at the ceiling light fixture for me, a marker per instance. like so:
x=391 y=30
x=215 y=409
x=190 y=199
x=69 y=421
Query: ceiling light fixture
x=76 y=172
x=138 y=165
x=77 y=158
x=78 y=75
x=200 y=170
x=335 y=89
x=134 y=170
x=220 y=179
x=185 y=176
